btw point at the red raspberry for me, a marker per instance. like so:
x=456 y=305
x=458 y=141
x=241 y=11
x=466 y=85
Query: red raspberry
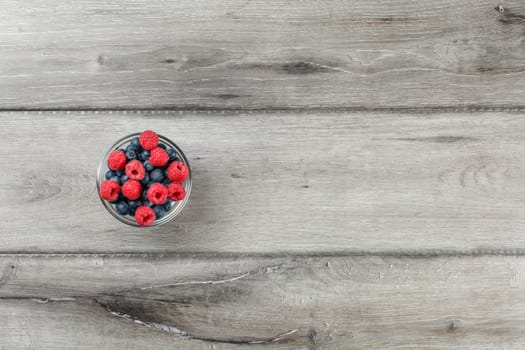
x=176 y=192
x=132 y=189
x=158 y=157
x=178 y=172
x=144 y=215
x=117 y=160
x=109 y=190
x=135 y=170
x=157 y=193
x=149 y=140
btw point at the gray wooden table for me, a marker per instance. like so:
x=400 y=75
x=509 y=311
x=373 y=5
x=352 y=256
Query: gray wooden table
x=358 y=174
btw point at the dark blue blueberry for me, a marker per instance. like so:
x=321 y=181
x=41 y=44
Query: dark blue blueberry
x=135 y=142
x=133 y=147
x=167 y=205
x=159 y=211
x=131 y=154
x=110 y=174
x=145 y=195
x=119 y=173
x=157 y=175
x=123 y=179
x=144 y=156
x=134 y=204
x=116 y=179
x=147 y=203
x=172 y=154
x=148 y=166
x=122 y=208
x=145 y=180
x=163 y=146
x=148 y=185
x=166 y=182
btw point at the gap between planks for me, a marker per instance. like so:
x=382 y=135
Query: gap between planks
x=307 y=110
x=321 y=254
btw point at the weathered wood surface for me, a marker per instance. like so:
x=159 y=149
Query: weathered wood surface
x=373 y=302
x=276 y=183
x=261 y=54
x=374 y=228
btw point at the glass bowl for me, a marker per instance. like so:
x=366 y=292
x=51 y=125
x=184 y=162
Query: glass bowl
x=176 y=206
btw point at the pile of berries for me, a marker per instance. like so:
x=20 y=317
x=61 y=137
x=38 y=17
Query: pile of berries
x=144 y=179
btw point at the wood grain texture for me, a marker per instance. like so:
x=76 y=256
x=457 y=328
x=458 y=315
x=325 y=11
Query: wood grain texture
x=135 y=302
x=276 y=183
x=258 y=54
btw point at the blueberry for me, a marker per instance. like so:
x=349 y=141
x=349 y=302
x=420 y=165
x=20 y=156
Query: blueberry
x=150 y=183
x=133 y=205
x=163 y=146
x=145 y=180
x=123 y=179
x=135 y=142
x=148 y=166
x=147 y=203
x=116 y=179
x=144 y=156
x=159 y=211
x=131 y=154
x=166 y=182
x=133 y=147
x=167 y=205
x=110 y=174
x=119 y=173
x=145 y=195
x=172 y=154
x=157 y=175
x=122 y=208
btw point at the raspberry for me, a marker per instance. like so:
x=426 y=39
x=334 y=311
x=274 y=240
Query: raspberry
x=117 y=160
x=135 y=170
x=144 y=216
x=157 y=193
x=176 y=192
x=109 y=190
x=149 y=139
x=132 y=189
x=158 y=157
x=178 y=172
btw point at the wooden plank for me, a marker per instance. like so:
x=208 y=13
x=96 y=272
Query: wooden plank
x=119 y=302
x=261 y=54
x=276 y=183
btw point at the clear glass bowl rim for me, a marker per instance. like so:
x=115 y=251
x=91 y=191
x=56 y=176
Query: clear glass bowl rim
x=175 y=210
